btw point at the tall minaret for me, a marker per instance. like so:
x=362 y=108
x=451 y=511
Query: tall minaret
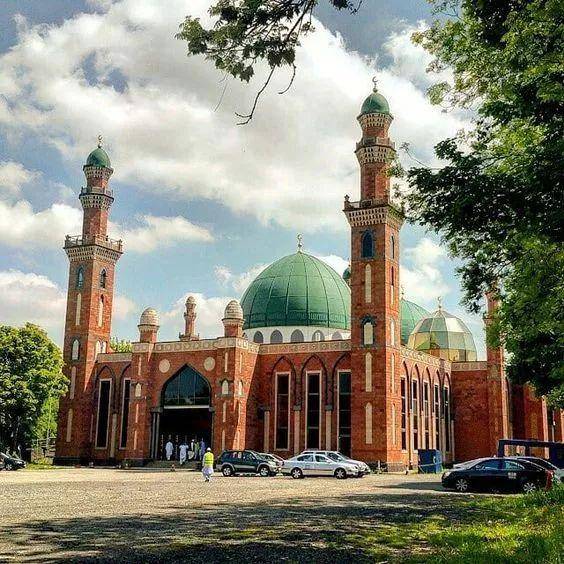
x=375 y=297
x=92 y=257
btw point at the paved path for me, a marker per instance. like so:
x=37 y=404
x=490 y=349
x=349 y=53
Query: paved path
x=133 y=516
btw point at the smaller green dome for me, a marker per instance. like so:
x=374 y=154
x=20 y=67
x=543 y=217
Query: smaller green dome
x=98 y=157
x=443 y=335
x=411 y=315
x=375 y=104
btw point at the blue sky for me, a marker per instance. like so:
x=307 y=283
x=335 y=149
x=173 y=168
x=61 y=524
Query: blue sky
x=201 y=203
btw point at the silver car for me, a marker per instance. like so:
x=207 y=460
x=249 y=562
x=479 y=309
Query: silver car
x=338 y=457
x=318 y=465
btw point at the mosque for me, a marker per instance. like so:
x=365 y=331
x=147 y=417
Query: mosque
x=309 y=358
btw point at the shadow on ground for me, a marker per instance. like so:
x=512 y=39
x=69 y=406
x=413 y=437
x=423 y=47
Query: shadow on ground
x=354 y=528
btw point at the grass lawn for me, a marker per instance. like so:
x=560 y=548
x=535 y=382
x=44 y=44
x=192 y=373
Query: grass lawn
x=523 y=528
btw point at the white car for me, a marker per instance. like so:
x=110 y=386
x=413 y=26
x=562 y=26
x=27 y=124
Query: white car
x=339 y=457
x=318 y=465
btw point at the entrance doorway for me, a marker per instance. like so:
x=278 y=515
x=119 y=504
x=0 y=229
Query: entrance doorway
x=186 y=416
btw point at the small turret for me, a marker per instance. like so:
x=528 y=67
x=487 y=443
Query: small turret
x=148 y=326
x=233 y=319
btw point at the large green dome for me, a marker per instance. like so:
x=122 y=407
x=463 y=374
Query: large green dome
x=98 y=157
x=411 y=314
x=298 y=290
x=375 y=104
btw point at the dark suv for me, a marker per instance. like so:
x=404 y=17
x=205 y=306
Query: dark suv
x=233 y=462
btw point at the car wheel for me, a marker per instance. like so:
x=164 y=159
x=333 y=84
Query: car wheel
x=340 y=474
x=462 y=485
x=227 y=471
x=264 y=471
x=529 y=487
x=8 y=466
x=296 y=473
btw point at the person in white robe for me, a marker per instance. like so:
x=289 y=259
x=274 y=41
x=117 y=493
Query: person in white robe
x=169 y=448
x=183 y=449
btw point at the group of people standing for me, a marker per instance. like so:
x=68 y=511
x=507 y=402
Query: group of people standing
x=195 y=450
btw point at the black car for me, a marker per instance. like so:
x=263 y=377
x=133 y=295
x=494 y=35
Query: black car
x=497 y=474
x=233 y=462
x=9 y=462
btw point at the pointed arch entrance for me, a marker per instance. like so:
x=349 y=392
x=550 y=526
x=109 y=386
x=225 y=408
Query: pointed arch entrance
x=186 y=412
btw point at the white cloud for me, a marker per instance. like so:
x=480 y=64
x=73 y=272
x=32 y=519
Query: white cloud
x=123 y=307
x=21 y=226
x=423 y=281
x=239 y=282
x=14 y=175
x=26 y=296
x=337 y=263
x=291 y=166
x=159 y=232
x=209 y=313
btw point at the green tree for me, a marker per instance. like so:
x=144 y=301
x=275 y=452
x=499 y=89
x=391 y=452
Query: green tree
x=498 y=200
x=120 y=345
x=30 y=376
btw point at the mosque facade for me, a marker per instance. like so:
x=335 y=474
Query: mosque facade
x=309 y=358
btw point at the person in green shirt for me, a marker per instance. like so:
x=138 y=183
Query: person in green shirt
x=207 y=465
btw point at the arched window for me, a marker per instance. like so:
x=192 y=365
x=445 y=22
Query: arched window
x=258 y=337
x=78 y=308
x=101 y=311
x=392 y=246
x=276 y=337
x=367 y=333
x=337 y=336
x=75 y=350
x=69 y=426
x=103 y=278
x=318 y=336
x=187 y=388
x=103 y=346
x=368 y=423
x=98 y=348
x=225 y=388
x=367 y=284
x=367 y=245
x=392 y=286
x=446 y=412
x=415 y=412
x=72 y=386
x=403 y=388
x=297 y=336
x=240 y=388
x=80 y=277
x=392 y=333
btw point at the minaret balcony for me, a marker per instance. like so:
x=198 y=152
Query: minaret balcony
x=102 y=190
x=371 y=141
x=72 y=241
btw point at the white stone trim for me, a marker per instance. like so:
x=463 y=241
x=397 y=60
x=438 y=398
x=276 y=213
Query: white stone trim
x=113 y=357
x=410 y=354
x=320 y=346
x=466 y=366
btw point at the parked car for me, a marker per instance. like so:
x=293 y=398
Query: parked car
x=10 y=462
x=498 y=474
x=339 y=457
x=233 y=462
x=318 y=465
x=273 y=458
x=558 y=472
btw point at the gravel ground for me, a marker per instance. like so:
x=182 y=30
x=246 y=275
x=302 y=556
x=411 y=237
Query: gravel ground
x=154 y=516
